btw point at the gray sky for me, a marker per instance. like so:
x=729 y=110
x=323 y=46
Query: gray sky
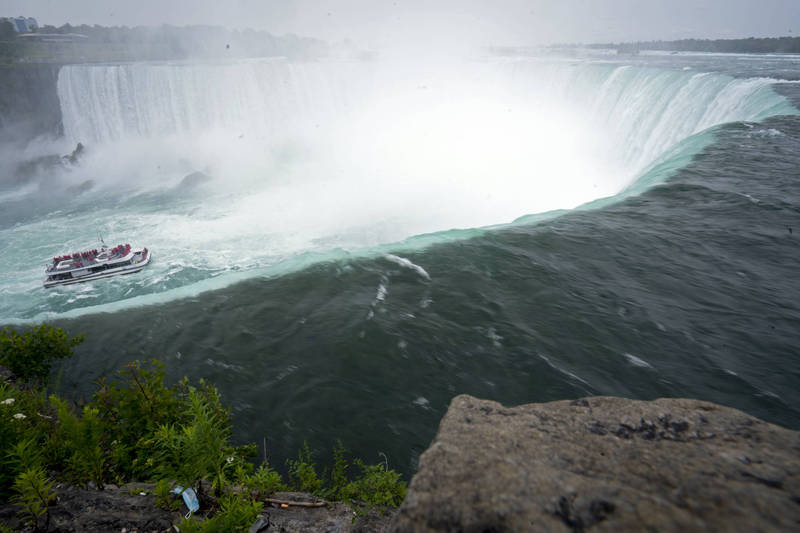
x=500 y=22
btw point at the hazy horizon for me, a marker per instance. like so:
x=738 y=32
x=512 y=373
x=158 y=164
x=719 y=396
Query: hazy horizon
x=382 y=23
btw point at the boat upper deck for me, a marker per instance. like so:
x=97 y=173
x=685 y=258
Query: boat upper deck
x=91 y=258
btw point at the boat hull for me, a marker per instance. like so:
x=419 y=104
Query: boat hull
x=118 y=271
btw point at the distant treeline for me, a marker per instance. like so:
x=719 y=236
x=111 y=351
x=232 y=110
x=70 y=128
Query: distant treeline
x=84 y=43
x=752 y=45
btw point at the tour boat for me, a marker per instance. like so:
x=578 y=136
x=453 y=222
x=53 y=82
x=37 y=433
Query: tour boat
x=95 y=264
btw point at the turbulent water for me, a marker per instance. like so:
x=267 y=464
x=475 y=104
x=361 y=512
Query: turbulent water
x=365 y=242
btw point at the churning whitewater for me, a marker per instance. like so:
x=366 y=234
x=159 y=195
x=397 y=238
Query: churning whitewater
x=261 y=167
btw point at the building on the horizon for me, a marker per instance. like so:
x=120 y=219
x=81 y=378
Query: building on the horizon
x=22 y=24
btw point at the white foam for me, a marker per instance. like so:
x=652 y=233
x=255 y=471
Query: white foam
x=402 y=261
x=636 y=361
x=422 y=402
x=769 y=132
x=494 y=337
x=381 y=294
x=564 y=371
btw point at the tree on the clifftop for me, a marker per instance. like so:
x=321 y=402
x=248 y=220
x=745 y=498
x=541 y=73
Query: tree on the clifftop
x=7 y=32
x=30 y=355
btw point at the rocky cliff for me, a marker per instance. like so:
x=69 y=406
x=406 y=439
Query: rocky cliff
x=29 y=104
x=604 y=464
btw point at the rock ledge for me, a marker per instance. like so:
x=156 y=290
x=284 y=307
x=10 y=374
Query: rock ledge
x=604 y=464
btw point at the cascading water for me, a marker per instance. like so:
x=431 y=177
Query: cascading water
x=265 y=98
x=646 y=110
x=316 y=160
x=591 y=128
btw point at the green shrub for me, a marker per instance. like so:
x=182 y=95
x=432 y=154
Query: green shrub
x=302 y=472
x=165 y=499
x=26 y=454
x=377 y=486
x=236 y=513
x=133 y=408
x=82 y=441
x=338 y=476
x=25 y=416
x=30 y=355
x=33 y=491
x=198 y=449
x=263 y=482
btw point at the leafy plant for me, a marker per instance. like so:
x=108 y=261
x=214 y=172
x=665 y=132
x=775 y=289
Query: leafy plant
x=30 y=355
x=26 y=454
x=236 y=513
x=24 y=419
x=81 y=438
x=33 y=490
x=165 y=499
x=338 y=476
x=302 y=472
x=263 y=482
x=135 y=407
x=377 y=486
x=198 y=449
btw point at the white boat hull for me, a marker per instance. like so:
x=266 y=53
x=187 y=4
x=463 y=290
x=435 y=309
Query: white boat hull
x=118 y=271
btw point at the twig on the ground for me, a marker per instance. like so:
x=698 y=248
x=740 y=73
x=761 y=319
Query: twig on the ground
x=322 y=503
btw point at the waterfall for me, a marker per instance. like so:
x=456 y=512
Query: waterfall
x=102 y=103
x=644 y=111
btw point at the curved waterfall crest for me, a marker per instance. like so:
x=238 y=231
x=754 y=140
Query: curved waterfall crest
x=644 y=110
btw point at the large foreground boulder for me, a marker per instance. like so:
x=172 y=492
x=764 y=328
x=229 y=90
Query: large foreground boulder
x=604 y=464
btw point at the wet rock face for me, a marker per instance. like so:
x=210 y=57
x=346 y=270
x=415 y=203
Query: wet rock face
x=604 y=464
x=29 y=105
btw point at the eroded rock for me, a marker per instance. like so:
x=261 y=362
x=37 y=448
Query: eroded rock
x=604 y=464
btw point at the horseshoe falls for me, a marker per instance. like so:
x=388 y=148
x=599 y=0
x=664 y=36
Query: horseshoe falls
x=343 y=244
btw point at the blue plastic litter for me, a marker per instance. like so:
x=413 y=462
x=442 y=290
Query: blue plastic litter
x=189 y=498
